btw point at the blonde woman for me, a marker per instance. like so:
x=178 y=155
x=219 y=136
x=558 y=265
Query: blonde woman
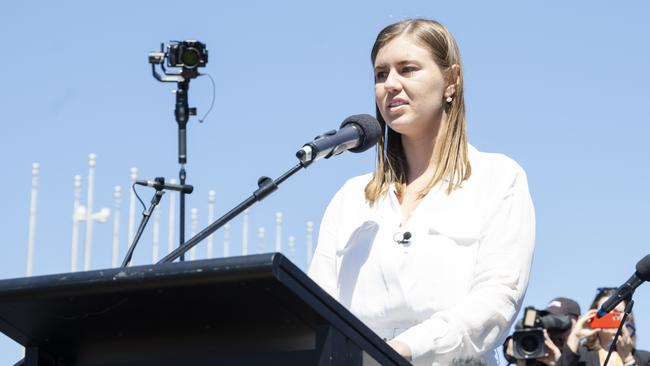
x=433 y=250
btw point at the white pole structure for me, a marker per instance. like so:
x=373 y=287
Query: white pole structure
x=194 y=223
x=226 y=240
x=260 y=236
x=244 y=234
x=74 y=256
x=155 y=240
x=92 y=161
x=131 y=222
x=310 y=241
x=91 y=217
x=278 y=232
x=172 y=219
x=291 y=243
x=32 y=219
x=212 y=198
x=117 y=195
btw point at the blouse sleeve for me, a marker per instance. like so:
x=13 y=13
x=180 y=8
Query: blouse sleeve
x=322 y=268
x=478 y=322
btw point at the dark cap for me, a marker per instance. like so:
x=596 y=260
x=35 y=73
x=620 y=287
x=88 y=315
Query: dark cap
x=563 y=306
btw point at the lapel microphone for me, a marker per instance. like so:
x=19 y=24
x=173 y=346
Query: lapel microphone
x=402 y=237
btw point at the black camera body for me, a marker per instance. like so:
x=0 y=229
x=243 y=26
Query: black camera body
x=187 y=54
x=528 y=338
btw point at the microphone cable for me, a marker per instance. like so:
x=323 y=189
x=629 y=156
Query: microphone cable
x=214 y=95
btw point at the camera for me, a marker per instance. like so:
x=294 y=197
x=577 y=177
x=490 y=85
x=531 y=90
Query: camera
x=187 y=54
x=528 y=338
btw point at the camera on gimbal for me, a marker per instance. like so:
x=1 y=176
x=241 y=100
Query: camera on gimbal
x=188 y=55
x=528 y=338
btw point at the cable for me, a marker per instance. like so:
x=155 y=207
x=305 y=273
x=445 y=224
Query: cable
x=144 y=208
x=214 y=93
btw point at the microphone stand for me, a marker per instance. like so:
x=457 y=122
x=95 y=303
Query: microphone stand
x=146 y=215
x=266 y=186
x=629 y=303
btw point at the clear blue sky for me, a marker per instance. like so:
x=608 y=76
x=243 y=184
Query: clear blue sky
x=561 y=87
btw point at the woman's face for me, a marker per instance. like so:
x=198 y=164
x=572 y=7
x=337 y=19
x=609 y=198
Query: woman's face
x=409 y=88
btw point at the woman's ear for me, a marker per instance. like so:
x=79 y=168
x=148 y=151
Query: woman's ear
x=453 y=79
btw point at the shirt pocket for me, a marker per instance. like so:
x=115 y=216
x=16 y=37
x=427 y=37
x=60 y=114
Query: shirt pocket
x=441 y=264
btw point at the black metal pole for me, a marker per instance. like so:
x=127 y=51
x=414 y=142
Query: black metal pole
x=182 y=114
x=266 y=186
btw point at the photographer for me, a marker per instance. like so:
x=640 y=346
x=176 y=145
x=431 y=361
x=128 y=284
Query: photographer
x=545 y=337
x=597 y=336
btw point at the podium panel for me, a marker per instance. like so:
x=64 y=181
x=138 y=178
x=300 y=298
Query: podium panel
x=251 y=310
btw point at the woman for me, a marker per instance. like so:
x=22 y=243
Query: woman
x=597 y=341
x=433 y=250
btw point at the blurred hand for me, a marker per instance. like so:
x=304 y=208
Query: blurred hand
x=401 y=348
x=552 y=352
x=581 y=330
x=625 y=345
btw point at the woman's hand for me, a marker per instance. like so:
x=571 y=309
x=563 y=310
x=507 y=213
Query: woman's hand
x=581 y=330
x=625 y=345
x=401 y=348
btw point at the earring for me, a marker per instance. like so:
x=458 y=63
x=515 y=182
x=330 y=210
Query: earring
x=449 y=99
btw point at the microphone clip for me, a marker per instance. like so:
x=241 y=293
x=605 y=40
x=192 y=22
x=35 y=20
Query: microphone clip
x=402 y=238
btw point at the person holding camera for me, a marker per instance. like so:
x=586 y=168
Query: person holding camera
x=541 y=335
x=590 y=339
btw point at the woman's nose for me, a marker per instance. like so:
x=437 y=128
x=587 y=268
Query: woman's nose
x=392 y=82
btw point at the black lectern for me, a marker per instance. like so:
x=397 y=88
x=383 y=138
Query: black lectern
x=252 y=310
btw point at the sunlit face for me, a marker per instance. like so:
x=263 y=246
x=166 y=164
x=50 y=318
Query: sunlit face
x=409 y=87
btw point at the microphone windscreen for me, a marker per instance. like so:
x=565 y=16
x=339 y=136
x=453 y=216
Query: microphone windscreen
x=370 y=128
x=643 y=268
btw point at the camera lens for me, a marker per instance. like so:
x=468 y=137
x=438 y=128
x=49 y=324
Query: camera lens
x=190 y=57
x=529 y=344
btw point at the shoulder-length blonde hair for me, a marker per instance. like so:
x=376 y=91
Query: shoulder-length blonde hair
x=453 y=161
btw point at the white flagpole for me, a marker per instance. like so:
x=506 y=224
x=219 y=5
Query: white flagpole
x=92 y=161
x=260 y=236
x=244 y=236
x=278 y=232
x=212 y=198
x=131 y=222
x=74 y=256
x=226 y=240
x=310 y=241
x=172 y=217
x=291 y=243
x=117 y=195
x=194 y=223
x=155 y=242
x=32 y=219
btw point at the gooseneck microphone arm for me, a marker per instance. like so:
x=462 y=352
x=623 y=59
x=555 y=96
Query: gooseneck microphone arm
x=357 y=133
x=266 y=187
x=146 y=215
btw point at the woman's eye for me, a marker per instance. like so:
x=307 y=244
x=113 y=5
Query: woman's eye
x=408 y=70
x=381 y=75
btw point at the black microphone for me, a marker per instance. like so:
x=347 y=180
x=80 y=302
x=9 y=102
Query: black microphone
x=402 y=237
x=625 y=292
x=159 y=184
x=358 y=133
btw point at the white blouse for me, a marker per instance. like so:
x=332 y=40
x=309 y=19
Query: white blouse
x=454 y=288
